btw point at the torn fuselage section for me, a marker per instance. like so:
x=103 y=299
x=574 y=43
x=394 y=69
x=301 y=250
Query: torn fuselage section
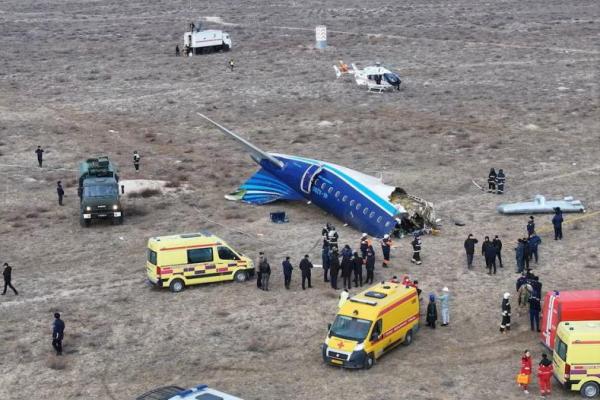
x=417 y=214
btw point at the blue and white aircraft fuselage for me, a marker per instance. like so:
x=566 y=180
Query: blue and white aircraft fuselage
x=357 y=199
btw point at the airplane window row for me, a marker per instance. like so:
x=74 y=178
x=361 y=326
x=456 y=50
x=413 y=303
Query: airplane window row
x=353 y=203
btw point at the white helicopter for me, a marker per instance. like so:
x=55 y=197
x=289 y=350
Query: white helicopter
x=376 y=78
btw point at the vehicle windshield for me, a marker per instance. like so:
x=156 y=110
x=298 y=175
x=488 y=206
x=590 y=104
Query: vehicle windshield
x=350 y=328
x=100 y=191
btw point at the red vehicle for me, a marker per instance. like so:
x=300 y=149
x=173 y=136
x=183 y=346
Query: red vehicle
x=575 y=305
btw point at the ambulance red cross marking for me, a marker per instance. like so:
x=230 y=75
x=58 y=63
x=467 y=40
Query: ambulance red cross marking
x=340 y=345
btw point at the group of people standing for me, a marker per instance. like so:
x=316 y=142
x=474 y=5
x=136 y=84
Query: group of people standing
x=496 y=181
x=491 y=250
x=544 y=374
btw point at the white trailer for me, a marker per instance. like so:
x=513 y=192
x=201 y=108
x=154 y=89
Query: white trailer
x=204 y=41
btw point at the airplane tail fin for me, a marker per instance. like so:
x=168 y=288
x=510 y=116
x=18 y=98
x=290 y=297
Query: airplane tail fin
x=257 y=154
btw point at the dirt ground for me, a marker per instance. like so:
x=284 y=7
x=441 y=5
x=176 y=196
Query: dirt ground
x=507 y=84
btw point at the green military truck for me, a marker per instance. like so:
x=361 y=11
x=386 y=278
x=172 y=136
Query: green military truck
x=99 y=191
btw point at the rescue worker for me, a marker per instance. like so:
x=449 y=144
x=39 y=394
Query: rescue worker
x=505 y=324
x=7 y=275
x=497 y=243
x=265 y=274
x=492 y=181
x=526 y=252
x=530 y=226
x=325 y=251
x=431 y=312
x=534 y=311
x=347 y=267
x=445 y=306
x=545 y=375
x=136 y=160
x=357 y=265
x=261 y=257
x=39 y=151
x=416 y=245
x=557 y=221
x=520 y=255
x=177 y=53
x=534 y=241
x=287 y=272
x=489 y=252
x=386 y=244
x=500 y=180
x=58 y=332
x=334 y=264
x=470 y=249
x=60 y=192
x=370 y=264
x=332 y=237
x=343 y=297
x=231 y=64
x=525 y=370
x=364 y=245
x=305 y=266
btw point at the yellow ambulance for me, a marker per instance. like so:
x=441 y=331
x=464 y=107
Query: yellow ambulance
x=576 y=356
x=371 y=323
x=178 y=261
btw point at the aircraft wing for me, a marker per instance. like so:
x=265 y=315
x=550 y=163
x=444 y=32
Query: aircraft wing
x=257 y=154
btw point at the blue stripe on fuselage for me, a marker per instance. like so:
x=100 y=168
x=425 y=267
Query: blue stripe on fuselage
x=365 y=191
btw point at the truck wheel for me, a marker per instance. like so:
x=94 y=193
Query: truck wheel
x=240 y=276
x=369 y=361
x=226 y=47
x=176 y=285
x=590 y=390
x=118 y=220
x=408 y=338
x=85 y=222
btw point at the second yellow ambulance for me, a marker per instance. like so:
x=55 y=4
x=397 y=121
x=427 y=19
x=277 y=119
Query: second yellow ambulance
x=371 y=323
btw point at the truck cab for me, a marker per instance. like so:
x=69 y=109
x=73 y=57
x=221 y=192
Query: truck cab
x=99 y=191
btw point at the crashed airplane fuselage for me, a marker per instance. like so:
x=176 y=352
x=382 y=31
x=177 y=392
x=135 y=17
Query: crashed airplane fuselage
x=360 y=200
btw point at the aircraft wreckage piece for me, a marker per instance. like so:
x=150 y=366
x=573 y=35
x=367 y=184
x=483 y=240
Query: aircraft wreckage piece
x=362 y=201
x=540 y=205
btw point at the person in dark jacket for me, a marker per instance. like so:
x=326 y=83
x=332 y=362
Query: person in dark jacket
x=505 y=324
x=58 y=332
x=261 y=257
x=531 y=226
x=526 y=252
x=347 y=267
x=557 y=221
x=534 y=311
x=492 y=181
x=287 y=272
x=357 y=266
x=431 y=312
x=386 y=245
x=305 y=266
x=40 y=155
x=7 y=275
x=520 y=256
x=470 y=249
x=136 y=160
x=177 y=52
x=522 y=280
x=500 y=180
x=534 y=241
x=325 y=251
x=265 y=274
x=60 y=192
x=416 y=245
x=489 y=252
x=370 y=264
x=497 y=243
x=334 y=265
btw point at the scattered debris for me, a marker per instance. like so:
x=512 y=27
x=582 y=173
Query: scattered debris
x=541 y=205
